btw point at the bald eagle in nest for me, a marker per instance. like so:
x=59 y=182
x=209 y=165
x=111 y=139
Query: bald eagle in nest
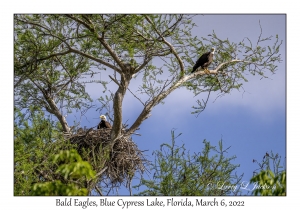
x=204 y=61
x=103 y=123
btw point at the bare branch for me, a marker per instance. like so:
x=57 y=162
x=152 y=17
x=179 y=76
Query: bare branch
x=136 y=97
x=113 y=79
x=101 y=172
x=98 y=190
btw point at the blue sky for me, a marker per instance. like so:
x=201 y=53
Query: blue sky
x=252 y=121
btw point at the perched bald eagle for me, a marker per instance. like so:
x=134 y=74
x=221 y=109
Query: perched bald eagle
x=103 y=123
x=204 y=61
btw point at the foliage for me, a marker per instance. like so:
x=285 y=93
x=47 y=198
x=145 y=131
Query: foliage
x=270 y=182
x=176 y=173
x=36 y=141
x=56 y=188
x=43 y=79
x=57 y=56
x=72 y=168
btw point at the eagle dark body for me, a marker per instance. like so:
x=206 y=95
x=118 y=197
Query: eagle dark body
x=204 y=61
x=103 y=124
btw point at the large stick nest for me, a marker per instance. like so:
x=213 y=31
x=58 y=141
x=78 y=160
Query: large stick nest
x=113 y=161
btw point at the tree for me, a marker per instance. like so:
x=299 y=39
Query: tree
x=44 y=163
x=73 y=169
x=35 y=141
x=269 y=182
x=55 y=56
x=177 y=173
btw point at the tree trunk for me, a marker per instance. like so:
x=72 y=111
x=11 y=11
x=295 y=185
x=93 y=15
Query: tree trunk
x=118 y=103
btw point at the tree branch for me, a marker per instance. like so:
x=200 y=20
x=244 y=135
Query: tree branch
x=53 y=108
x=81 y=22
x=170 y=46
x=136 y=97
x=157 y=99
x=101 y=172
x=47 y=57
x=219 y=67
x=103 y=42
x=98 y=190
x=115 y=81
x=95 y=59
x=146 y=61
x=147 y=109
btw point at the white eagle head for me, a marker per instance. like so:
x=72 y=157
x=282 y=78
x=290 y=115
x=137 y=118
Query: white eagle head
x=212 y=50
x=102 y=117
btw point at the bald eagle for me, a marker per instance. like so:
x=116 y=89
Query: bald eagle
x=204 y=61
x=103 y=123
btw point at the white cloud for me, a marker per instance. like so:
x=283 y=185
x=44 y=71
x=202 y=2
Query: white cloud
x=262 y=98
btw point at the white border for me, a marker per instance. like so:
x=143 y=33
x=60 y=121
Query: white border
x=8 y=201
